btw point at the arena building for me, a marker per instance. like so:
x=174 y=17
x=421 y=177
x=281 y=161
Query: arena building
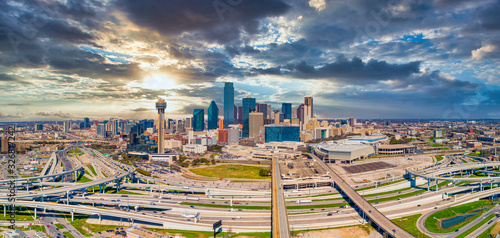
x=343 y=151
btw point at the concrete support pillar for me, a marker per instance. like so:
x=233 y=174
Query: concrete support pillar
x=99 y=217
x=4 y=211
x=72 y=215
x=481 y=186
x=428 y=184
x=67 y=197
x=35 y=213
x=44 y=210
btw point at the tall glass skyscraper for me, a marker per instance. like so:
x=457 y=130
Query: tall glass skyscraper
x=286 y=109
x=213 y=116
x=228 y=104
x=198 y=120
x=248 y=106
x=86 y=122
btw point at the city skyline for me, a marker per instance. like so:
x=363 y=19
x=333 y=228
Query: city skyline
x=390 y=59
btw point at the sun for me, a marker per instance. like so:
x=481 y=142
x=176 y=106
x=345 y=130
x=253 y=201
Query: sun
x=159 y=81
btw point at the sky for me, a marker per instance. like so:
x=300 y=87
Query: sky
x=396 y=59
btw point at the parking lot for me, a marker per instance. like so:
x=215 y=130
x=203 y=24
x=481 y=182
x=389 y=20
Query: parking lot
x=360 y=168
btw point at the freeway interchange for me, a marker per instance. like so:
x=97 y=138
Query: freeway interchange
x=177 y=206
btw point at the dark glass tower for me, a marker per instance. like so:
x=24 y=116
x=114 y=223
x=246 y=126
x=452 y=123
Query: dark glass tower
x=228 y=104
x=86 y=122
x=213 y=116
x=198 y=120
x=248 y=106
x=286 y=109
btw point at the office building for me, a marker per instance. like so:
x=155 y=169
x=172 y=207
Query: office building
x=277 y=132
x=286 y=109
x=307 y=112
x=160 y=106
x=240 y=115
x=262 y=107
x=198 y=120
x=235 y=115
x=223 y=136
x=438 y=134
x=213 y=116
x=86 y=122
x=256 y=120
x=67 y=125
x=300 y=113
x=221 y=124
x=228 y=104
x=352 y=122
x=101 y=130
x=233 y=135
x=248 y=106
x=38 y=127
x=4 y=145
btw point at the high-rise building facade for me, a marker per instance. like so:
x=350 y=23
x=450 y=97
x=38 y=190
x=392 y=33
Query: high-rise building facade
x=198 y=121
x=228 y=104
x=38 y=127
x=286 y=109
x=307 y=113
x=213 y=116
x=262 y=107
x=67 y=125
x=161 y=105
x=86 y=122
x=101 y=130
x=240 y=115
x=4 y=145
x=248 y=106
x=282 y=133
x=300 y=113
x=256 y=120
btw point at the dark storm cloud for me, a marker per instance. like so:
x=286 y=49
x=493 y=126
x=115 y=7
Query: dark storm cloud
x=5 y=77
x=353 y=71
x=141 y=109
x=215 y=20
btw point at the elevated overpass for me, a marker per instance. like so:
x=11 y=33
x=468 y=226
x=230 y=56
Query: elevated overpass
x=279 y=216
x=168 y=223
x=383 y=223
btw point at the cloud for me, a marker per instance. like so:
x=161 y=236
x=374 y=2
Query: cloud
x=59 y=114
x=18 y=115
x=215 y=20
x=489 y=50
x=318 y=4
x=353 y=71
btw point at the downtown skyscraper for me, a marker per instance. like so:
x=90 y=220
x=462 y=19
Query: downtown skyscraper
x=248 y=106
x=228 y=104
x=213 y=116
x=198 y=120
x=286 y=109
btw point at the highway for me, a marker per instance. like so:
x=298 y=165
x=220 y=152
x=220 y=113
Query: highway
x=280 y=226
x=374 y=214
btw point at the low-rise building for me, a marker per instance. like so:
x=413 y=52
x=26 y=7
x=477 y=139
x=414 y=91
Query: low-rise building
x=15 y=234
x=398 y=149
x=194 y=148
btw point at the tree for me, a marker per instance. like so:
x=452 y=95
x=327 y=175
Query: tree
x=264 y=172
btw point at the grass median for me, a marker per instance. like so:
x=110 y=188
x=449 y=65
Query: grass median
x=432 y=223
x=475 y=227
x=409 y=224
